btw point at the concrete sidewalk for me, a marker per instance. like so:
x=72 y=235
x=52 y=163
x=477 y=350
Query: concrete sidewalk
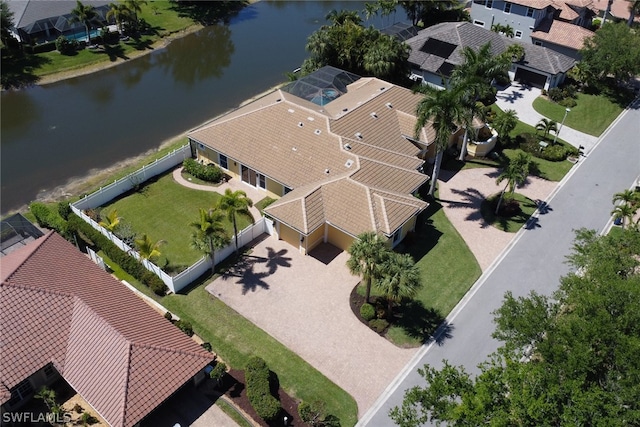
x=520 y=98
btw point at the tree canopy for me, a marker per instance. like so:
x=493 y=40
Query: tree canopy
x=566 y=359
x=614 y=50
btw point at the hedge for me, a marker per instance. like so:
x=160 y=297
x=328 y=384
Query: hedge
x=257 y=375
x=48 y=218
x=209 y=173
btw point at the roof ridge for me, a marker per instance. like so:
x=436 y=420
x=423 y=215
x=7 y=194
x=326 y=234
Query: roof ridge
x=167 y=349
x=413 y=171
x=385 y=217
x=371 y=206
x=406 y=198
x=125 y=396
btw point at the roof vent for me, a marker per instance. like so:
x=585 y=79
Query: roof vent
x=290 y=110
x=326 y=171
x=347 y=146
x=294 y=148
x=344 y=110
x=300 y=124
x=382 y=88
x=278 y=100
x=388 y=104
x=358 y=135
x=310 y=118
x=374 y=115
x=317 y=131
x=349 y=163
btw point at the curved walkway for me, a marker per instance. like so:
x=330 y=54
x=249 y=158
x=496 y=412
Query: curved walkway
x=520 y=98
x=461 y=194
x=232 y=184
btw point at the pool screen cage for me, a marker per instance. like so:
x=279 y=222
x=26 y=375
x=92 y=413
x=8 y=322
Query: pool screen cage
x=322 y=86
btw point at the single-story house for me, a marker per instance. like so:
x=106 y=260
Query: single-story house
x=437 y=50
x=337 y=150
x=37 y=21
x=62 y=315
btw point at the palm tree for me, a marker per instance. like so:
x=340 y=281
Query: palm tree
x=112 y=221
x=119 y=12
x=236 y=203
x=370 y=9
x=343 y=17
x=504 y=123
x=401 y=279
x=547 y=126
x=367 y=252
x=147 y=248
x=625 y=213
x=627 y=197
x=382 y=59
x=134 y=7
x=387 y=7
x=209 y=233
x=515 y=173
x=444 y=109
x=86 y=15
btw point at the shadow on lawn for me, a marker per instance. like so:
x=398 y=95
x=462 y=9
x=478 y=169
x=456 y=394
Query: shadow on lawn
x=422 y=323
x=18 y=69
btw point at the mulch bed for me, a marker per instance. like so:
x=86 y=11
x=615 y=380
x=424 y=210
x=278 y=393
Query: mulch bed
x=234 y=388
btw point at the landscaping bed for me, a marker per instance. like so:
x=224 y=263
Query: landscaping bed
x=513 y=214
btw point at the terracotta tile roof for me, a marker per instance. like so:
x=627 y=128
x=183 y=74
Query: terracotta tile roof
x=563 y=34
x=534 y=4
x=56 y=306
x=619 y=8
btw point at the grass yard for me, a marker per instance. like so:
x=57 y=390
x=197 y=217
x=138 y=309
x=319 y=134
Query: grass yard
x=448 y=270
x=592 y=115
x=508 y=224
x=163 y=210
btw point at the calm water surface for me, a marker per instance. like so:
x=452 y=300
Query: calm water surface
x=58 y=133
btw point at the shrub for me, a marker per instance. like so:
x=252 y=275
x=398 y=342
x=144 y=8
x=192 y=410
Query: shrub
x=312 y=413
x=554 y=153
x=378 y=325
x=569 y=91
x=185 y=327
x=568 y=102
x=48 y=218
x=544 y=92
x=218 y=371
x=66 y=46
x=207 y=346
x=168 y=316
x=78 y=409
x=257 y=375
x=209 y=173
x=367 y=312
x=64 y=210
x=555 y=94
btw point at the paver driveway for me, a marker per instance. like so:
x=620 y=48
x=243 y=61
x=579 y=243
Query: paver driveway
x=304 y=303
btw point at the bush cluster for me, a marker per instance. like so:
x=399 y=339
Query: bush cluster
x=218 y=371
x=127 y=262
x=554 y=153
x=565 y=96
x=185 y=326
x=66 y=46
x=367 y=312
x=48 y=218
x=378 y=325
x=258 y=375
x=209 y=173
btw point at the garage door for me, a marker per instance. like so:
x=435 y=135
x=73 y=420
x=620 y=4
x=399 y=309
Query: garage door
x=339 y=239
x=290 y=235
x=531 y=78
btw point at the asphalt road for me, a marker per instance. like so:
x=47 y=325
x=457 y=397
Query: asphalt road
x=534 y=261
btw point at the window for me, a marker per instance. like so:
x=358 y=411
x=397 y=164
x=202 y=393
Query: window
x=489 y=4
x=530 y=12
x=537 y=43
x=507 y=7
x=224 y=162
x=396 y=236
x=262 y=181
x=478 y=23
x=518 y=34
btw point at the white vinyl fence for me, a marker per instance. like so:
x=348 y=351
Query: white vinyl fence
x=111 y=191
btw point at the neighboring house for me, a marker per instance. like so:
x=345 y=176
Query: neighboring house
x=619 y=10
x=61 y=315
x=37 y=21
x=561 y=25
x=437 y=50
x=339 y=150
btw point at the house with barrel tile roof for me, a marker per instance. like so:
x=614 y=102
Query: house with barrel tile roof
x=63 y=316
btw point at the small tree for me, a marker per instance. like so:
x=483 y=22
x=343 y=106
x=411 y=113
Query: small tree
x=111 y=221
x=49 y=397
x=515 y=173
x=504 y=123
x=147 y=248
x=209 y=234
x=624 y=213
x=367 y=252
x=236 y=203
x=546 y=126
x=401 y=279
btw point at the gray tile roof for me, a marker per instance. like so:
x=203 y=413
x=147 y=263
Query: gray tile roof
x=29 y=12
x=465 y=34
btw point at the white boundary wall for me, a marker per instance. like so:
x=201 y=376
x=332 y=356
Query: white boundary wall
x=121 y=186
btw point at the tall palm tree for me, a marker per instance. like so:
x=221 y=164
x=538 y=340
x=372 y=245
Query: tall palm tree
x=401 y=279
x=120 y=13
x=111 y=221
x=515 y=173
x=236 y=203
x=209 y=233
x=444 y=109
x=147 y=248
x=134 y=7
x=343 y=17
x=382 y=58
x=627 y=197
x=625 y=213
x=370 y=9
x=367 y=254
x=546 y=126
x=85 y=14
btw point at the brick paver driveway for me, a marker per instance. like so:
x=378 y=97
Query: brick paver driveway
x=304 y=303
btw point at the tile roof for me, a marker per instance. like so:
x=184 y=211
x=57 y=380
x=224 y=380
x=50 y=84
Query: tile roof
x=534 y=4
x=57 y=306
x=464 y=34
x=563 y=34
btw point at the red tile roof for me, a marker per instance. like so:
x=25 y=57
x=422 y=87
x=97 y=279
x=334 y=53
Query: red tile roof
x=564 y=34
x=56 y=306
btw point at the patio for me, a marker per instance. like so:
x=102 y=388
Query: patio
x=303 y=301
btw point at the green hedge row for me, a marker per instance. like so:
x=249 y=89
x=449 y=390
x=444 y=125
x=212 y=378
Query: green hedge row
x=127 y=262
x=257 y=375
x=209 y=173
x=49 y=218
x=554 y=153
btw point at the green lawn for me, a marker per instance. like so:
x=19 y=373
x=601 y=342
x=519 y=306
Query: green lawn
x=163 y=210
x=592 y=115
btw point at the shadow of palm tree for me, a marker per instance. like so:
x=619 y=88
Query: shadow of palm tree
x=422 y=323
x=140 y=44
x=18 y=69
x=113 y=51
x=277 y=259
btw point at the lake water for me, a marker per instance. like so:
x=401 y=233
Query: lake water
x=58 y=133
